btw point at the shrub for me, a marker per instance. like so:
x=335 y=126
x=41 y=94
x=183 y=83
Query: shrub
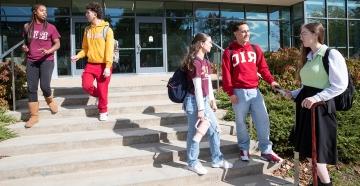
x=5 y=120
x=6 y=83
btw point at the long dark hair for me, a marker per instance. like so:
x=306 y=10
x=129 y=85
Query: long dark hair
x=315 y=28
x=187 y=63
x=29 y=29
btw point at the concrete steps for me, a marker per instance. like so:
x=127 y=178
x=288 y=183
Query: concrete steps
x=142 y=143
x=116 y=97
x=113 y=109
x=172 y=173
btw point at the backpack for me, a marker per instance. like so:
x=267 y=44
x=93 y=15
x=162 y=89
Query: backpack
x=344 y=101
x=178 y=86
x=116 y=54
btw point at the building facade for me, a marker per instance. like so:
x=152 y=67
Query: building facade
x=154 y=35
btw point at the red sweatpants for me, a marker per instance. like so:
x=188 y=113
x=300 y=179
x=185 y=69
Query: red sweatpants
x=91 y=72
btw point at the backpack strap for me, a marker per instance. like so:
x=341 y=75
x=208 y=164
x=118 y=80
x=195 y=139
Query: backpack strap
x=325 y=60
x=105 y=30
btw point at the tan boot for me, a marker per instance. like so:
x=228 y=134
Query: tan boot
x=52 y=104
x=34 y=114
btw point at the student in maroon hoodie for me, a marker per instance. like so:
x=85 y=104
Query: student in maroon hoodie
x=241 y=64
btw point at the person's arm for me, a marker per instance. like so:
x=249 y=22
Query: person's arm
x=109 y=48
x=338 y=77
x=54 y=39
x=263 y=68
x=198 y=93
x=24 y=46
x=226 y=73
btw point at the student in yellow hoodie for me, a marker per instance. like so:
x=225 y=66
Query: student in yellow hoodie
x=99 y=51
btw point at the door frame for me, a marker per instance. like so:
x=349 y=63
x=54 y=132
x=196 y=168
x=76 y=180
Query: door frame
x=138 y=20
x=74 y=20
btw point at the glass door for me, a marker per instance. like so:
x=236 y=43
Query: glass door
x=150 y=40
x=77 y=31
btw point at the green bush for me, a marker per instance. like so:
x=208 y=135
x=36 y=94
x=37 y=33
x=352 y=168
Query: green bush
x=5 y=120
x=282 y=64
x=6 y=83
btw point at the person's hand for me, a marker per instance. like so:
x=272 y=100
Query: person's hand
x=308 y=102
x=106 y=72
x=233 y=99
x=274 y=85
x=201 y=115
x=74 y=58
x=288 y=95
x=24 y=48
x=44 y=51
x=213 y=105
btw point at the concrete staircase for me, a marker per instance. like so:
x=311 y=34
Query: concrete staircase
x=142 y=143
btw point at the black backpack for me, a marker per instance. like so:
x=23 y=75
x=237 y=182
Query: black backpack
x=344 y=101
x=178 y=86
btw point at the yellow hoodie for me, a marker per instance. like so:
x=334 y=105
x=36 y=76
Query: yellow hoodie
x=94 y=46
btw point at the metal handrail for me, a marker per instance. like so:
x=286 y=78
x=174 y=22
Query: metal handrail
x=11 y=50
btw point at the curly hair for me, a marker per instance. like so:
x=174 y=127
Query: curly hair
x=95 y=7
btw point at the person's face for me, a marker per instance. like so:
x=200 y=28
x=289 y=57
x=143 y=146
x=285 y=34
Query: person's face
x=308 y=38
x=242 y=34
x=207 y=45
x=90 y=15
x=41 y=13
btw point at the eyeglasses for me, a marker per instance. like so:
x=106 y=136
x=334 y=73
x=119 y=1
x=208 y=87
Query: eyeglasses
x=244 y=31
x=302 y=34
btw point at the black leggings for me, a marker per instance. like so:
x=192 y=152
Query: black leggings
x=36 y=70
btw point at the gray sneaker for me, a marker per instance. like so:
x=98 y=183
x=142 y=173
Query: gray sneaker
x=222 y=164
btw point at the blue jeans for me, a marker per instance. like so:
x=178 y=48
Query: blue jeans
x=192 y=147
x=251 y=100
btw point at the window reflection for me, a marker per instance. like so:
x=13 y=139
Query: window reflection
x=338 y=39
x=336 y=8
x=207 y=10
x=354 y=8
x=119 y=8
x=232 y=11
x=178 y=9
x=315 y=8
x=256 y=12
x=153 y=8
x=124 y=31
x=259 y=33
x=354 y=39
x=179 y=36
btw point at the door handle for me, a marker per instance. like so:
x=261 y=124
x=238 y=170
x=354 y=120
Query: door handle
x=138 y=48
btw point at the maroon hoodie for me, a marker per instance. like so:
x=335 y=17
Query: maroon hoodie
x=239 y=71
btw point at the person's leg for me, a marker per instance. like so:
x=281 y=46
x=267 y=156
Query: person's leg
x=46 y=70
x=241 y=110
x=103 y=88
x=88 y=77
x=213 y=135
x=261 y=121
x=32 y=74
x=192 y=146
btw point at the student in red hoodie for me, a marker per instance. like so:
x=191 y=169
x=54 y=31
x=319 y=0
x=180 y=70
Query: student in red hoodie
x=241 y=64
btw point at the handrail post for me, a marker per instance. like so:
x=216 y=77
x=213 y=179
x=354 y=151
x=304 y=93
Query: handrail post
x=12 y=62
x=313 y=142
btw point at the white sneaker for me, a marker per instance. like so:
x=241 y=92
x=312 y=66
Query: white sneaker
x=244 y=155
x=103 y=116
x=222 y=164
x=198 y=168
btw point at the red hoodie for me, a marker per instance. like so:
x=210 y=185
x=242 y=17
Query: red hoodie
x=241 y=71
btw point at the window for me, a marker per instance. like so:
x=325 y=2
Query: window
x=336 y=8
x=178 y=9
x=116 y=8
x=206 y=10
x=232 y=11
x=256 y=12
x=179 y=36
x=146 y=8
x=315 y=8
x=259 y=33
